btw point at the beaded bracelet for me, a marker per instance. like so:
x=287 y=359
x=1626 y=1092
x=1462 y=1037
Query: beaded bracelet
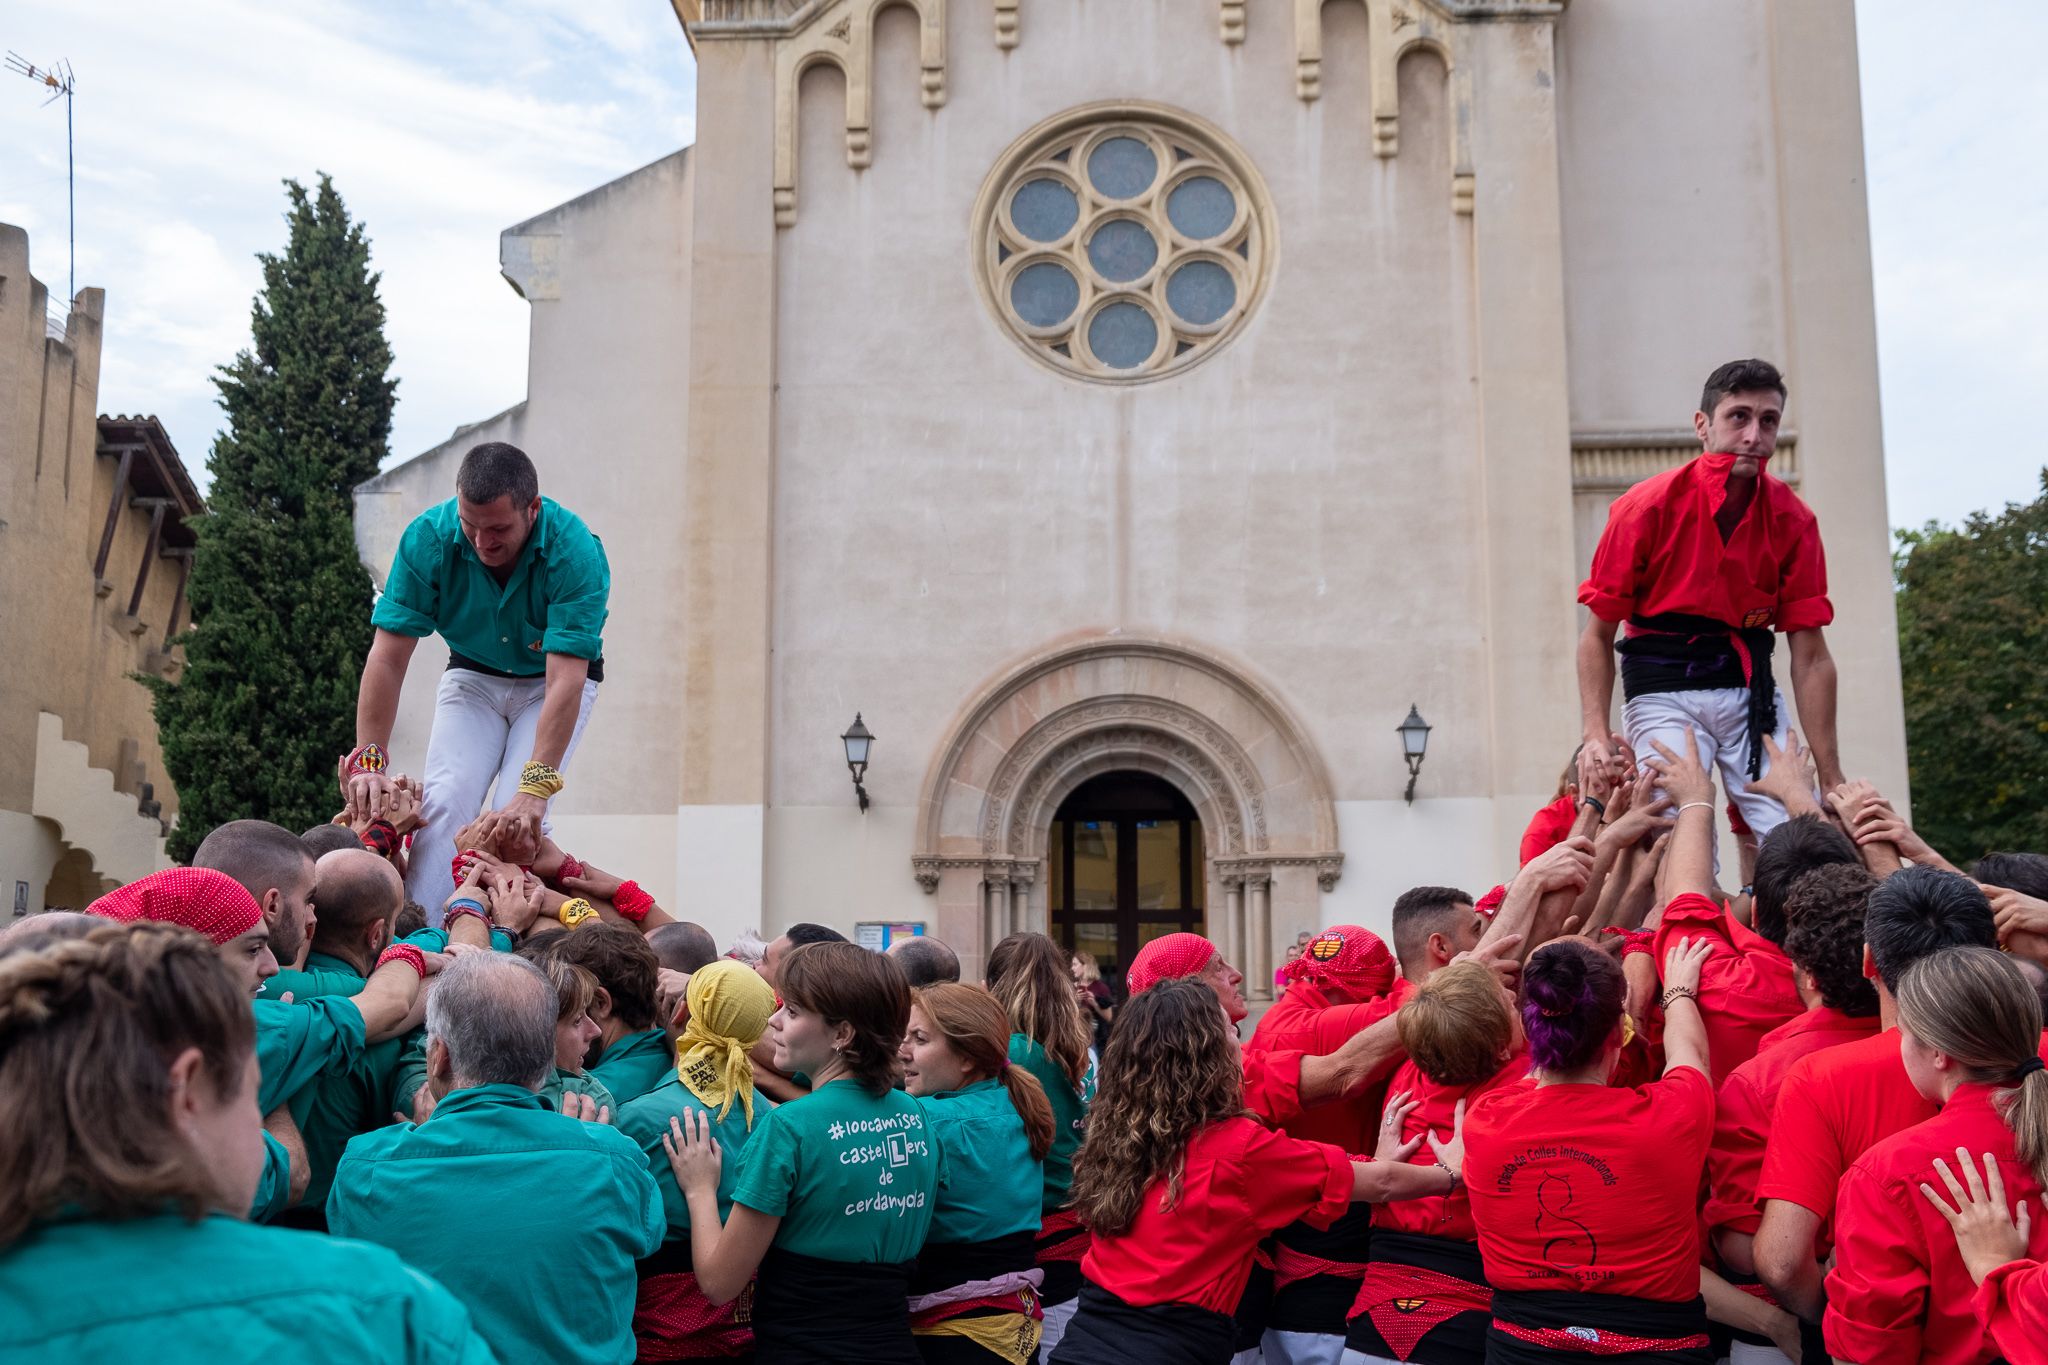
x=576 y=912
x=1678 y=993
x=539 y=779
x=406 y=953
x=631 y=902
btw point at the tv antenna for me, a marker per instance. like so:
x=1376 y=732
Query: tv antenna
x=60 y=82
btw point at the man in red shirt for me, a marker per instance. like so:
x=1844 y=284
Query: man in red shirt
x=1704 y=562
x=1838 y=1103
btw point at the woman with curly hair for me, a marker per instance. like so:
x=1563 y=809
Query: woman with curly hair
x=130 y=1148
x=1029 y=974
x=834 y=1194
x=1178 y=1182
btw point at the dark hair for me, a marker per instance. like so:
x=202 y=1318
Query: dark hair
x=1788 y=853
x=495 y=470
x=2026 y=873
x=803 y=935
x=682 y=946
x=1418 y=913
x=845 y=984
x=1740 y=376
x=321 y=840
x=261 y=856
x=1824 y=934
x=411 y=919
x=1571 y=1000
x=622 y=963
x=926 y=961
x=1918 y=911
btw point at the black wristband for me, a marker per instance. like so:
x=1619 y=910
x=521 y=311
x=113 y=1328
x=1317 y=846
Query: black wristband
x=1596 y=803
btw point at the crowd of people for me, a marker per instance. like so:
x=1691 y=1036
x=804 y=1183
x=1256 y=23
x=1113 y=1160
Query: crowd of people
x=1625 y=1106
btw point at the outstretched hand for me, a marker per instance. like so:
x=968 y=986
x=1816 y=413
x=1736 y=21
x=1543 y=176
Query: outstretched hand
x=1682 y=964
x=1788 y=774
x=1684 y=778
x=1986 y=1236
x=1391 y=1147
x=693 y=1153
x=1451 y=1154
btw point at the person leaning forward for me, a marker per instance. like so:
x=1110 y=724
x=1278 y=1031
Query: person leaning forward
x=517 y=585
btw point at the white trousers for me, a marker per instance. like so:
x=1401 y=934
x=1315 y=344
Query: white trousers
x=1352 y=1357
x=1718 y=718
x=483 y=735
x=1057 y=1316
x=1302 y=1348
x=1742 y=1353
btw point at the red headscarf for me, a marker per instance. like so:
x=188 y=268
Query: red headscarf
x=1489 y=904
x=213 y=903
x=1168 y=959
x=1347 y=963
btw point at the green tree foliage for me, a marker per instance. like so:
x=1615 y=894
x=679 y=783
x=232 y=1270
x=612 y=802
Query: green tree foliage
x=1973 y=648
x=280 y=601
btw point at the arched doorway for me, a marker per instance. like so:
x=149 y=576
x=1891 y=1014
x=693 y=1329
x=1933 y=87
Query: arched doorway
x=1124 y=865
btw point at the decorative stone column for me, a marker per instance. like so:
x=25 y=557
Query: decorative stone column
x=1258 y=960
x=1022 y=875
x=996 y=914
x=1228 y=935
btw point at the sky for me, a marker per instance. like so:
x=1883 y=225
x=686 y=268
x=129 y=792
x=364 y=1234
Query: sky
x=445 y=121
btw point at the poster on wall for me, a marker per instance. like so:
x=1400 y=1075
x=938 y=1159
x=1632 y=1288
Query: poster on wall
x=877 y=935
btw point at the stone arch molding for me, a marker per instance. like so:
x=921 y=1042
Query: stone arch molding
x=1120 y=704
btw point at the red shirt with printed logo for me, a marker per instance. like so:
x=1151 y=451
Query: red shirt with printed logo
x=1747 y=985
x=1590 y=1188
x=1239 y=1182
x=1440 y=1215
x=1661 y=552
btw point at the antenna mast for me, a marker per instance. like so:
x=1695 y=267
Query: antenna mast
x=61 y=84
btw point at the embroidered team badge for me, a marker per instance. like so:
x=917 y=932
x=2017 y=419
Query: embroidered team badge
x=1325 y=947
x=1761 y=616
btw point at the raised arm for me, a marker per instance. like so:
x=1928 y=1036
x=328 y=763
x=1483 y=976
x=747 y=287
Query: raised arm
x=561 y=702
x=1596 y=701
x=1689 y=863
x=1685 y=1029
x=1367 y=1056
x=376 y=711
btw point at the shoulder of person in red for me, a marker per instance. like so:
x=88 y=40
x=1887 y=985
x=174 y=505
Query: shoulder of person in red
x=1548 y=827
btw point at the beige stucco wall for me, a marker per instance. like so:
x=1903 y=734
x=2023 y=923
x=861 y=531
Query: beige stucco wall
x=65 y=677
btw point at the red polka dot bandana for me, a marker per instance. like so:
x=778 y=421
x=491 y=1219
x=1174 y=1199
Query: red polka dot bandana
x=1168 y=959
x=1345 y=960
x=199 y=898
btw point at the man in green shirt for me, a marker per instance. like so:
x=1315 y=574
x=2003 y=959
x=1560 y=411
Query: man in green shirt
x=495 y=1169
x=635 y=1051
x=518 y=586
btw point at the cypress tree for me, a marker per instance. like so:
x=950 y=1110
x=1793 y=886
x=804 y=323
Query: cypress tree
x=280 y=601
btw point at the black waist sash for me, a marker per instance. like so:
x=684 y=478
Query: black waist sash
x=1108 y=1331
x=464 y=661
x=1651 y=1320
x=1458 y=1339
x=809 y=1311
x=1678 y=652
x=1320 y=1302
x=942 y=1265
x=670 y=1258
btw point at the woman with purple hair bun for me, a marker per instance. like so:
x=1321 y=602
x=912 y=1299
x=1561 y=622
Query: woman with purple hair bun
x=1585 y=1194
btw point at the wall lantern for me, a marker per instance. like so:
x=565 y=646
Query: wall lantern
x=1414 y=733
x=857 y=739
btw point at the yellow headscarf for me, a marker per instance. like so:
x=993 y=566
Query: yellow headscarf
x=729 y=1007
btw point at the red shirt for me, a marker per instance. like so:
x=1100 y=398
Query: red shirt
x=1747 y=985
x=1304 y=1020
x=1440 y=1215
x=1661 y=552
x=1832 y=1108
x=2013 y=1304
x=1549 y=827
x=1591 y=1188
x=1742 y=1118
x=1899 y=1294
x=1272 y=1085
x=1239 y=1182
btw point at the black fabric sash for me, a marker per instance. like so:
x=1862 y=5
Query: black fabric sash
x=1544 y=1308
x=1677 y=652
x=942 y=1265
x=465 y=662
x=814 y=1312
x=1320 y=1302
x=670 y=1258
x=1459 y=1340
x=1108 y=1331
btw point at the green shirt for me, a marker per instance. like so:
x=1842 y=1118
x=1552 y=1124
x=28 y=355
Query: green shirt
x=346 y=1099
x=171 y=1293
x=274 y=1190
x=850 y=1174
x=297 y=1043
x=635 y=1064
x=645 y=1120
x=553 y=603
x=990 y=1186
x=495 y=1174
x=1069 y=1113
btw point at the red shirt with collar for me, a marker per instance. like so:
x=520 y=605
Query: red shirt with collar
x=1549 y=827
x=1239 y=1182
x=1747 y=984
x=1832 y=1108
x=1307 y=1021
x=1661 y=552
x=1441 y=1215
x=1742 y=1116
x=1589 y=1188
x=2012 y=1303
x=1899 y=1294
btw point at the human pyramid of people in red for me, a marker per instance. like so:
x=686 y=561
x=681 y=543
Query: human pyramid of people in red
x=1639 y=1103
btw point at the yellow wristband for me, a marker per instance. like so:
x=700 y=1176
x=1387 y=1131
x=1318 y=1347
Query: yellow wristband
x=539 y=780
x=576 y=912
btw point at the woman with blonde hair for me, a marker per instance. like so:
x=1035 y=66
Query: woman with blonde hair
x=726 y=1008
x=1970 y=1037
x=130 y=1148
x=1177 y=1181
x=975 y=1295
x=1030 y=975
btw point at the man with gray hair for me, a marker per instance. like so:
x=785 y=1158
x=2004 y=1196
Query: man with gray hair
x=495 y=1168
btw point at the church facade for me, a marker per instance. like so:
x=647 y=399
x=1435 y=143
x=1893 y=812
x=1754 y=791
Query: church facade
x=1131 y=408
